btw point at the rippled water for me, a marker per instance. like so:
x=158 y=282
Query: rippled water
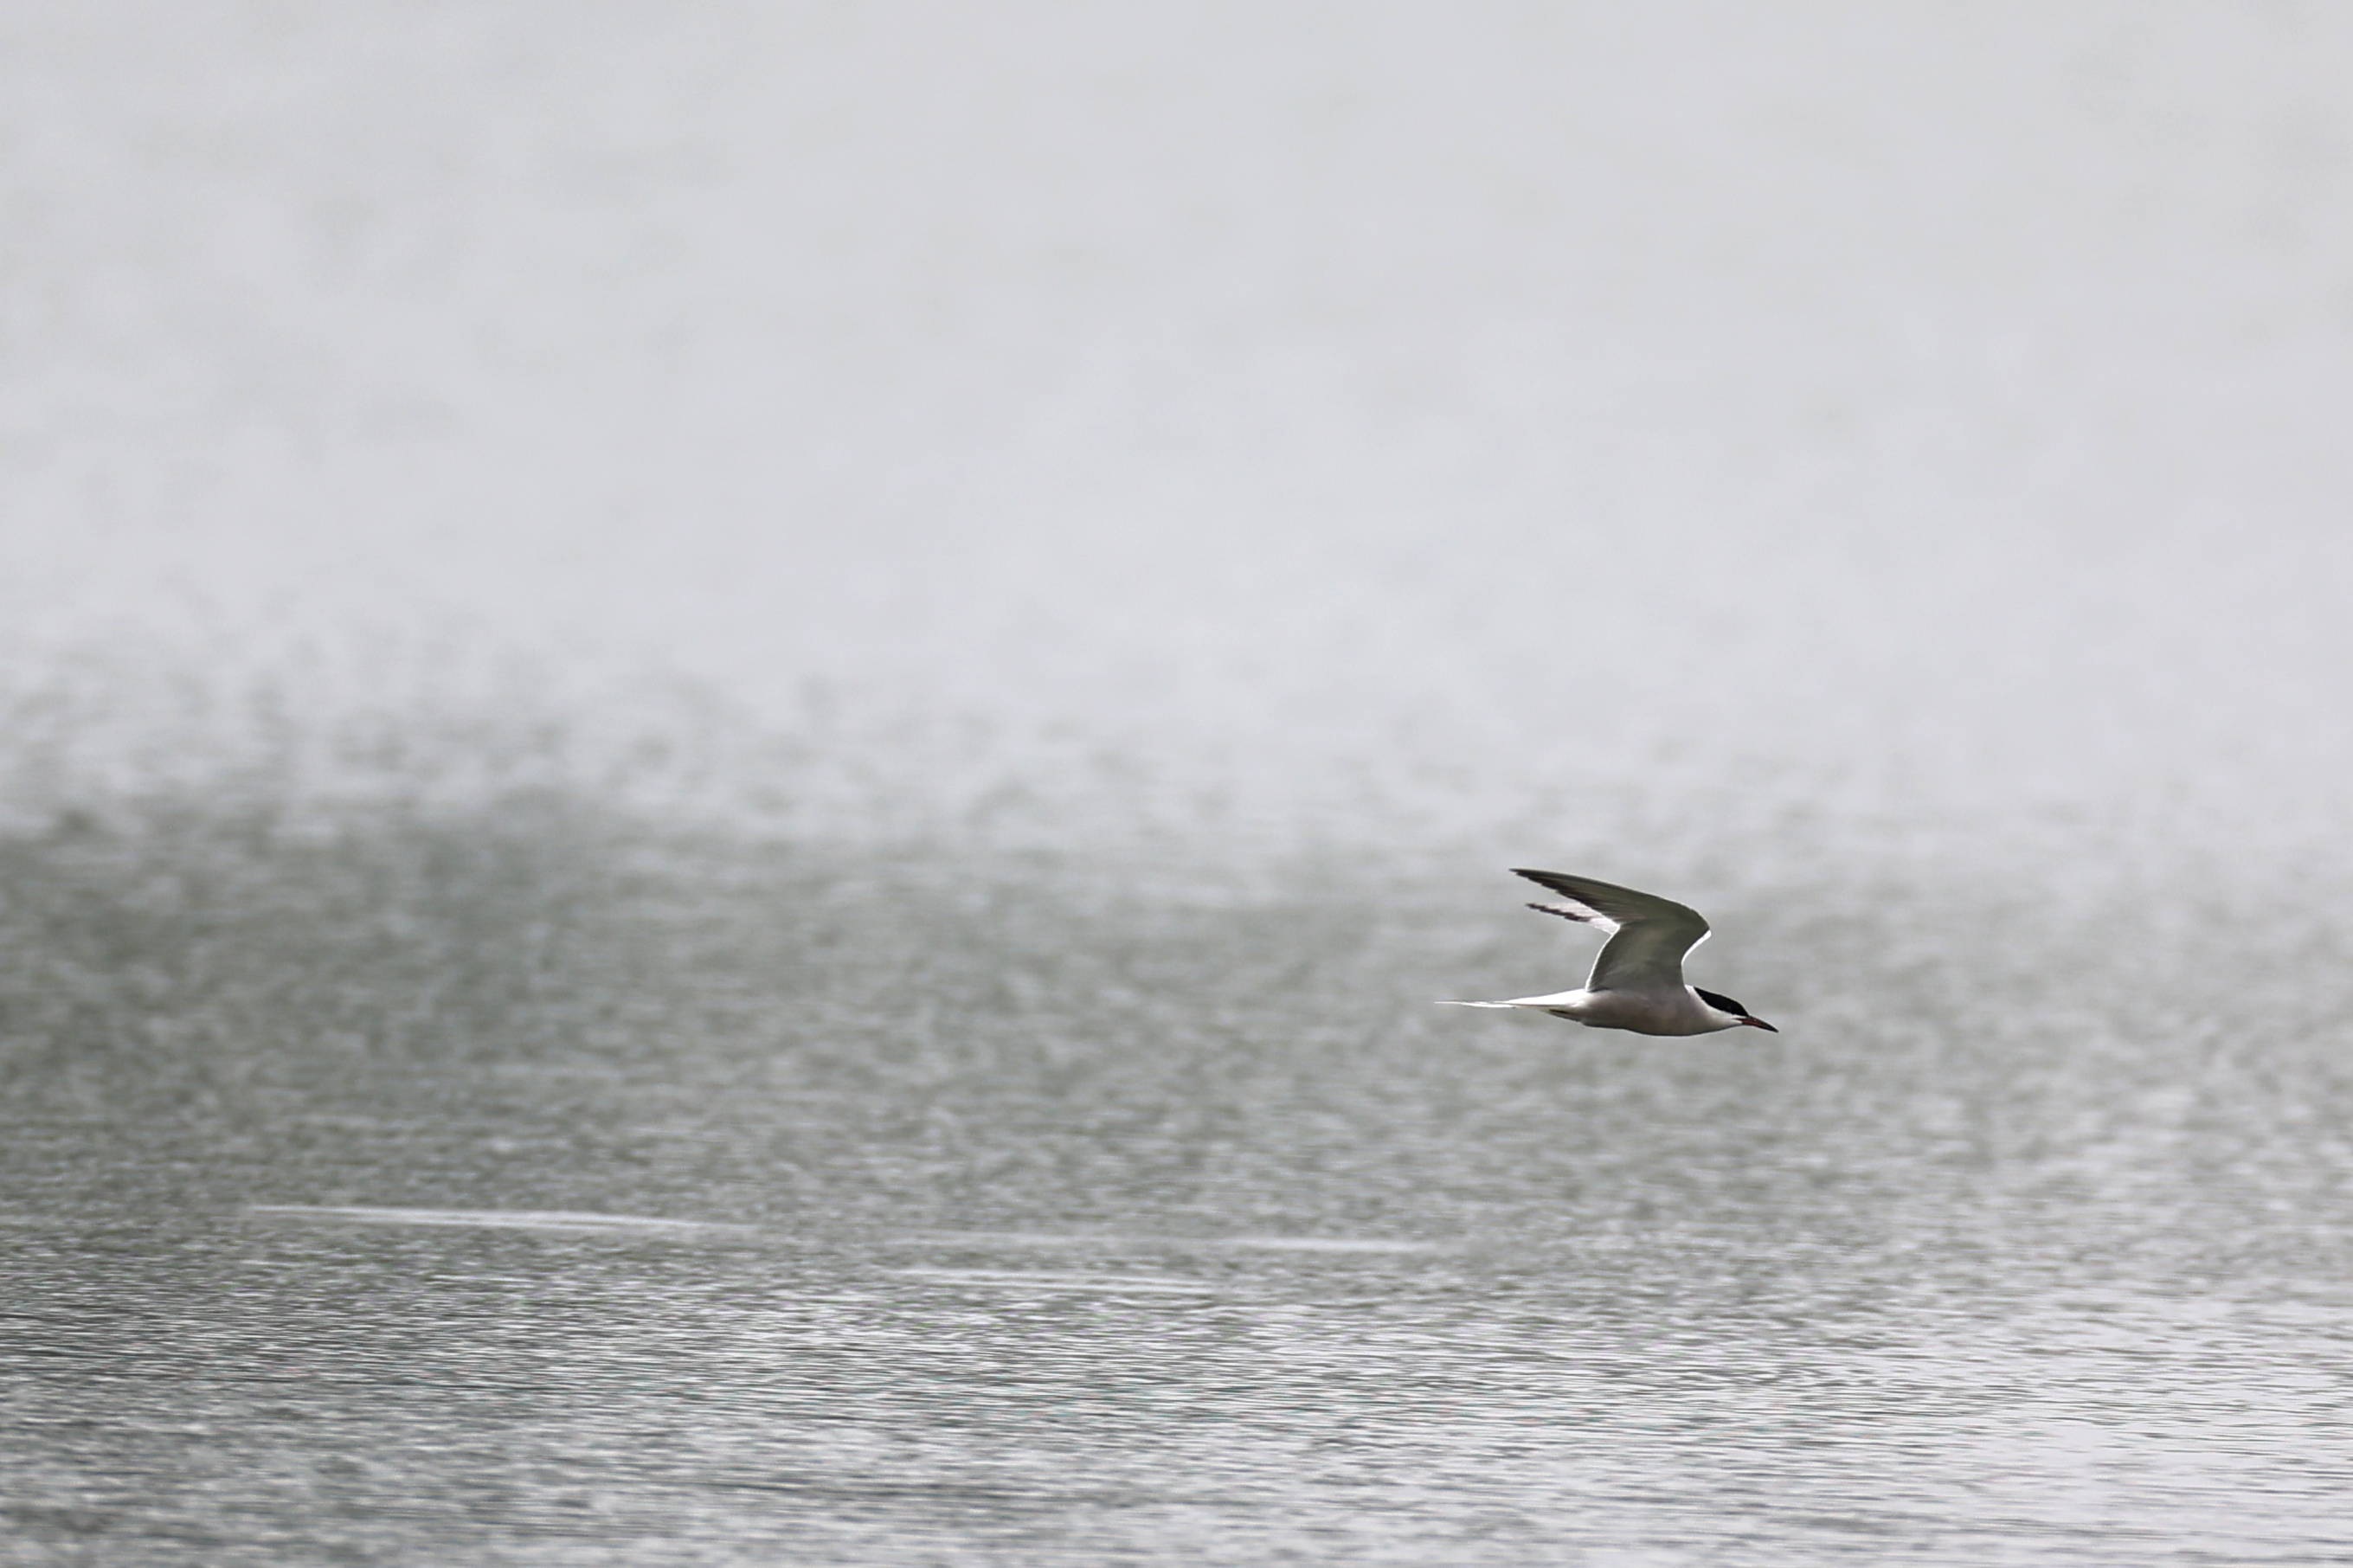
x=521 y=1187
x=743 y=744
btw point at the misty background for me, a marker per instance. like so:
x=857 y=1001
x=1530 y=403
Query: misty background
x=1523 y=425
x=742 y=741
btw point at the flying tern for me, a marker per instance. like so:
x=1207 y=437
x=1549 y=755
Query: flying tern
x=1638 y=981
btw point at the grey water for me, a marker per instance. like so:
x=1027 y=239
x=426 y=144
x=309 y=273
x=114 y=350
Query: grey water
x=531 y=1187
x=741 y=746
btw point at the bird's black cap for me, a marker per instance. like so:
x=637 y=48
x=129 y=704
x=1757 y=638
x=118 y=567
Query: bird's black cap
x=1722 y=1004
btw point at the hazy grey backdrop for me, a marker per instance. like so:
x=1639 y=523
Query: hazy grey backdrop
x=1344 y=420
x=740 y=741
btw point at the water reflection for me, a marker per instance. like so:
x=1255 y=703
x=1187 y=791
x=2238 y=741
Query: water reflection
x=523 y=1186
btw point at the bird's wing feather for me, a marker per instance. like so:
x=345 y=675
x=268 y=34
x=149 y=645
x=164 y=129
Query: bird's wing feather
x=1649 y=935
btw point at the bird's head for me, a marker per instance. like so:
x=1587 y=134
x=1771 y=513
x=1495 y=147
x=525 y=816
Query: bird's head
x=1725 y=1005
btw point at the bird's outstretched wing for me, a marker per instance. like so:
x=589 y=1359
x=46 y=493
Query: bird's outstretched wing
x=1648 y=935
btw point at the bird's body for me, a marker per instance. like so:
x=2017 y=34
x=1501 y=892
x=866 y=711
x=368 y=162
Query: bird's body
x=1636 y=982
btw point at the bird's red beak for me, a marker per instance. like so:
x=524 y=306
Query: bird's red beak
x=1760 y=1024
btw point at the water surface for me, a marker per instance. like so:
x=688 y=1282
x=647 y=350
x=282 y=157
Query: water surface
x=525 y=1188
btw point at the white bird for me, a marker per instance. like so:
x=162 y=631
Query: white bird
x=1638 y=980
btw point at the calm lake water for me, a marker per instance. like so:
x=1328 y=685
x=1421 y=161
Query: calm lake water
x=951 y=614
x=518 y=1187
